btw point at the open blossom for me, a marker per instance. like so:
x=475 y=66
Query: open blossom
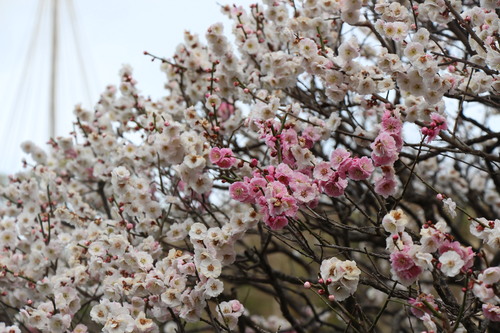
x=360 y=168
x=395 y=221
x=9 y=329
x=490 y=275
x=386 y=185
x=239 y=191
x=414 y=50
x=384 y=150
x=143 y=323
x=466 y=253
x=335 y=186
x=214 y=287
x=449 y=205
x=122 y=323
x=278 y=200
x=492 y=312
x=344 y=277
x=322 y=171
x=338 y=156
x=211 y=268
x=308 y=48
x=222 y=157
x=451 y=263
x=304 y=192
x=485 y=293
x=276 y=222
x=403 y=267
x=403 y=239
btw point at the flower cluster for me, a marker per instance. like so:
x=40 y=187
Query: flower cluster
x=484 y=289
x=229 y=312
x=341 y=277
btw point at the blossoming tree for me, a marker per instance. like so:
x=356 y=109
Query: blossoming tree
x=335 y=170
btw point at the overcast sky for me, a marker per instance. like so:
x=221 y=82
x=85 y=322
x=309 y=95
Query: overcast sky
x=112 y=33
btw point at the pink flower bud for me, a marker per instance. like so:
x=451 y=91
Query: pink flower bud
x=236 y=306
x=307 y=284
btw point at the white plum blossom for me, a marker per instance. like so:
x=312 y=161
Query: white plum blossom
x=211 y=268
x=342 y=277
x=214 y=287
x=395 y=221
x=451 y=263
x=449 y=205
x=229 y=312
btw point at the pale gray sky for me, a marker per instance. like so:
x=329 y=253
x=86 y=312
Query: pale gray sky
x=112 y=33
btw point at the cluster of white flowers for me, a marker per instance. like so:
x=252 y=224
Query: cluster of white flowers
x=341 y=277
x=487 y=231
x=229 y=312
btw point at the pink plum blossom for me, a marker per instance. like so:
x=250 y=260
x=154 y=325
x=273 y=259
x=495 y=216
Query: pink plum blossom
x=338 y=156
x=385 y=186
x=384 y=149
x=335 y=186
x=239 y=191
x=360 y=168
x=438 y=124
x=492 y=312
x=322 y=171
x=404 y=268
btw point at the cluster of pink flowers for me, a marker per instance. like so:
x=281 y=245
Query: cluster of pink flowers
x=278 y=192
x=409 y=260
x=403 y=266
x=281 y=191
x=385 y=151
x=437 y=125
x=222 y=157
